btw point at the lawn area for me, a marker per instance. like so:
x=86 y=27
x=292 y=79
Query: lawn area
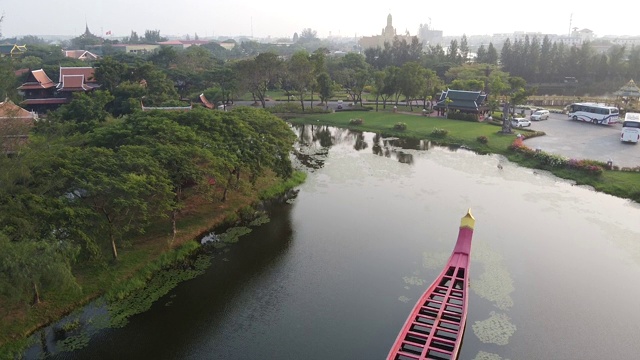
x=459 y=132
x=623 y=184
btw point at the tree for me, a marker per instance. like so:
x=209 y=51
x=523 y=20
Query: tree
x=29 y=267
x=453 y=52
x=464 y=49
x=411 y=81
x=153 y=36
x=260 y=74
x=125 y=189
x=84 y=112
x=492 y=55
x=325 y=87
x=300 y=71
x=307 y=35
x=481 y=55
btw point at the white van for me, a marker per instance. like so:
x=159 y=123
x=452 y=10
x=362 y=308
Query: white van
x=631 y=128
x=540 y=115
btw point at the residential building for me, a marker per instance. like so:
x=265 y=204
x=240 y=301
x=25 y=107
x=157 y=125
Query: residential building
x=15 y=124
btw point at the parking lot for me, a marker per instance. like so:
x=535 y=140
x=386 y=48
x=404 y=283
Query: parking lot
x=580 y=140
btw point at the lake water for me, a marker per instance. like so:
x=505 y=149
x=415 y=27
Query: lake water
x=554 y=271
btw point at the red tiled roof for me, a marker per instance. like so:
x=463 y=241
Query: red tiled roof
x=9 y=110
x=45 y=101
x=73 y=83
x=87 y=72
x=20 y=72
x=206 y=102
x=39 y=80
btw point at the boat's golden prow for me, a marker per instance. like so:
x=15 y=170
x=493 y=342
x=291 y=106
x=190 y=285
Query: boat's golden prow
x=468 y=220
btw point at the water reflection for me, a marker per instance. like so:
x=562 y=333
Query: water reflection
x=315 y=141
x=367 y=233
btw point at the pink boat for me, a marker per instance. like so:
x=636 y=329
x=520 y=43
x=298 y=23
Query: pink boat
x=435 y=327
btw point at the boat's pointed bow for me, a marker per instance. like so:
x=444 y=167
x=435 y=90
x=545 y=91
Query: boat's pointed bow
x=468 y=220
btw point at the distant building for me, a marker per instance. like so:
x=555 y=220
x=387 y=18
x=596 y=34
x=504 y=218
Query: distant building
x=80 y=54
x=388 y=35
x=12 y=50
x=15 y=124
x=41 y=94
x=135 y=48
x=429 y=36
x=183 y=44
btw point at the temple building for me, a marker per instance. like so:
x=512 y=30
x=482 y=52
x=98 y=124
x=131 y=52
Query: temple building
x=387 y=35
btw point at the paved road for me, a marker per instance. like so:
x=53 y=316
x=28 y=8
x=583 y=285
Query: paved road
x=580 y=140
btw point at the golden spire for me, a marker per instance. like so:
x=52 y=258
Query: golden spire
x=468 y=220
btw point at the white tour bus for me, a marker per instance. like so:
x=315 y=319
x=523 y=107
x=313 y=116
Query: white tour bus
x=593 y=113
x=631 y=128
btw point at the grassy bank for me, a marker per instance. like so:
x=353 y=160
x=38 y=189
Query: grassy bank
x=618 y=183
x=138 y=262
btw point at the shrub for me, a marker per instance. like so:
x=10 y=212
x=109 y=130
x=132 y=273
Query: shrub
x=439 y=133
x=462 y=116
x=482 y=139
x=295 y=108
x=400 y=126
x=357 y=121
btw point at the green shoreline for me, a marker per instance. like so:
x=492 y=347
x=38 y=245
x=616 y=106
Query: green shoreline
x=138 y=264
x=623 y=184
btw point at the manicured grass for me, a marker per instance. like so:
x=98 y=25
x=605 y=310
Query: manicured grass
x=618 y=183
x=460 y=132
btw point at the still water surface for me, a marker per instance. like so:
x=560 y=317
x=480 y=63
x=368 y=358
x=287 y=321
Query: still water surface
x=554 y=270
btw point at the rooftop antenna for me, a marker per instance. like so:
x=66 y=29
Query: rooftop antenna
x=570 y=19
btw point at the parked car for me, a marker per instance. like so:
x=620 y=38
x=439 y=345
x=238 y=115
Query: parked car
x=540 y=115
x=520 y=122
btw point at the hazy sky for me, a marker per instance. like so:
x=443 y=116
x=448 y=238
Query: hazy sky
x=281 y=18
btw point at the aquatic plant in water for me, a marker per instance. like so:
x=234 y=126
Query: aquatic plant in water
x=232 y=235
x=159 y=285
x=262 y=219
x=497 y=329
x=413 y=280
x=482 y=355
x=434 y=260
x=495 y=283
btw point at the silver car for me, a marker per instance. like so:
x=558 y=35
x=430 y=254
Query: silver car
x=520 y=122
x=540 y=115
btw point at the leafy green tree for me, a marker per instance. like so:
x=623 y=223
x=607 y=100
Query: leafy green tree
x=109 y=73
x=411 y=81
x=153 y=36
x=492 y=55
x=84 y=112
x=125 y=189
x=30 y=267
x=300 y=71
x=464 y=48
x=325 y=87
x=260 y=74
x=481 y=55
x=378 y=85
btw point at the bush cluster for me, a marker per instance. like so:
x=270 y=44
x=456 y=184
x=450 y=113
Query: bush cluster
x=482 y=139
x=295 y=108
x=357 y=121
x=439 y=133
x=400 y=126
x=590 y=167
x=462 y=116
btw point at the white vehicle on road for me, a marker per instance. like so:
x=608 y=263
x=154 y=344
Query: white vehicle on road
x=540 y=115
x=520 y=122
x=593 y=113
x=631 y=128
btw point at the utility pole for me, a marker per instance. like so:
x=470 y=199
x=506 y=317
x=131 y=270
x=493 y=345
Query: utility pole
x=570 y=19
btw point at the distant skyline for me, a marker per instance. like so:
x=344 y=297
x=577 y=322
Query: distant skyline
x=284 y=18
